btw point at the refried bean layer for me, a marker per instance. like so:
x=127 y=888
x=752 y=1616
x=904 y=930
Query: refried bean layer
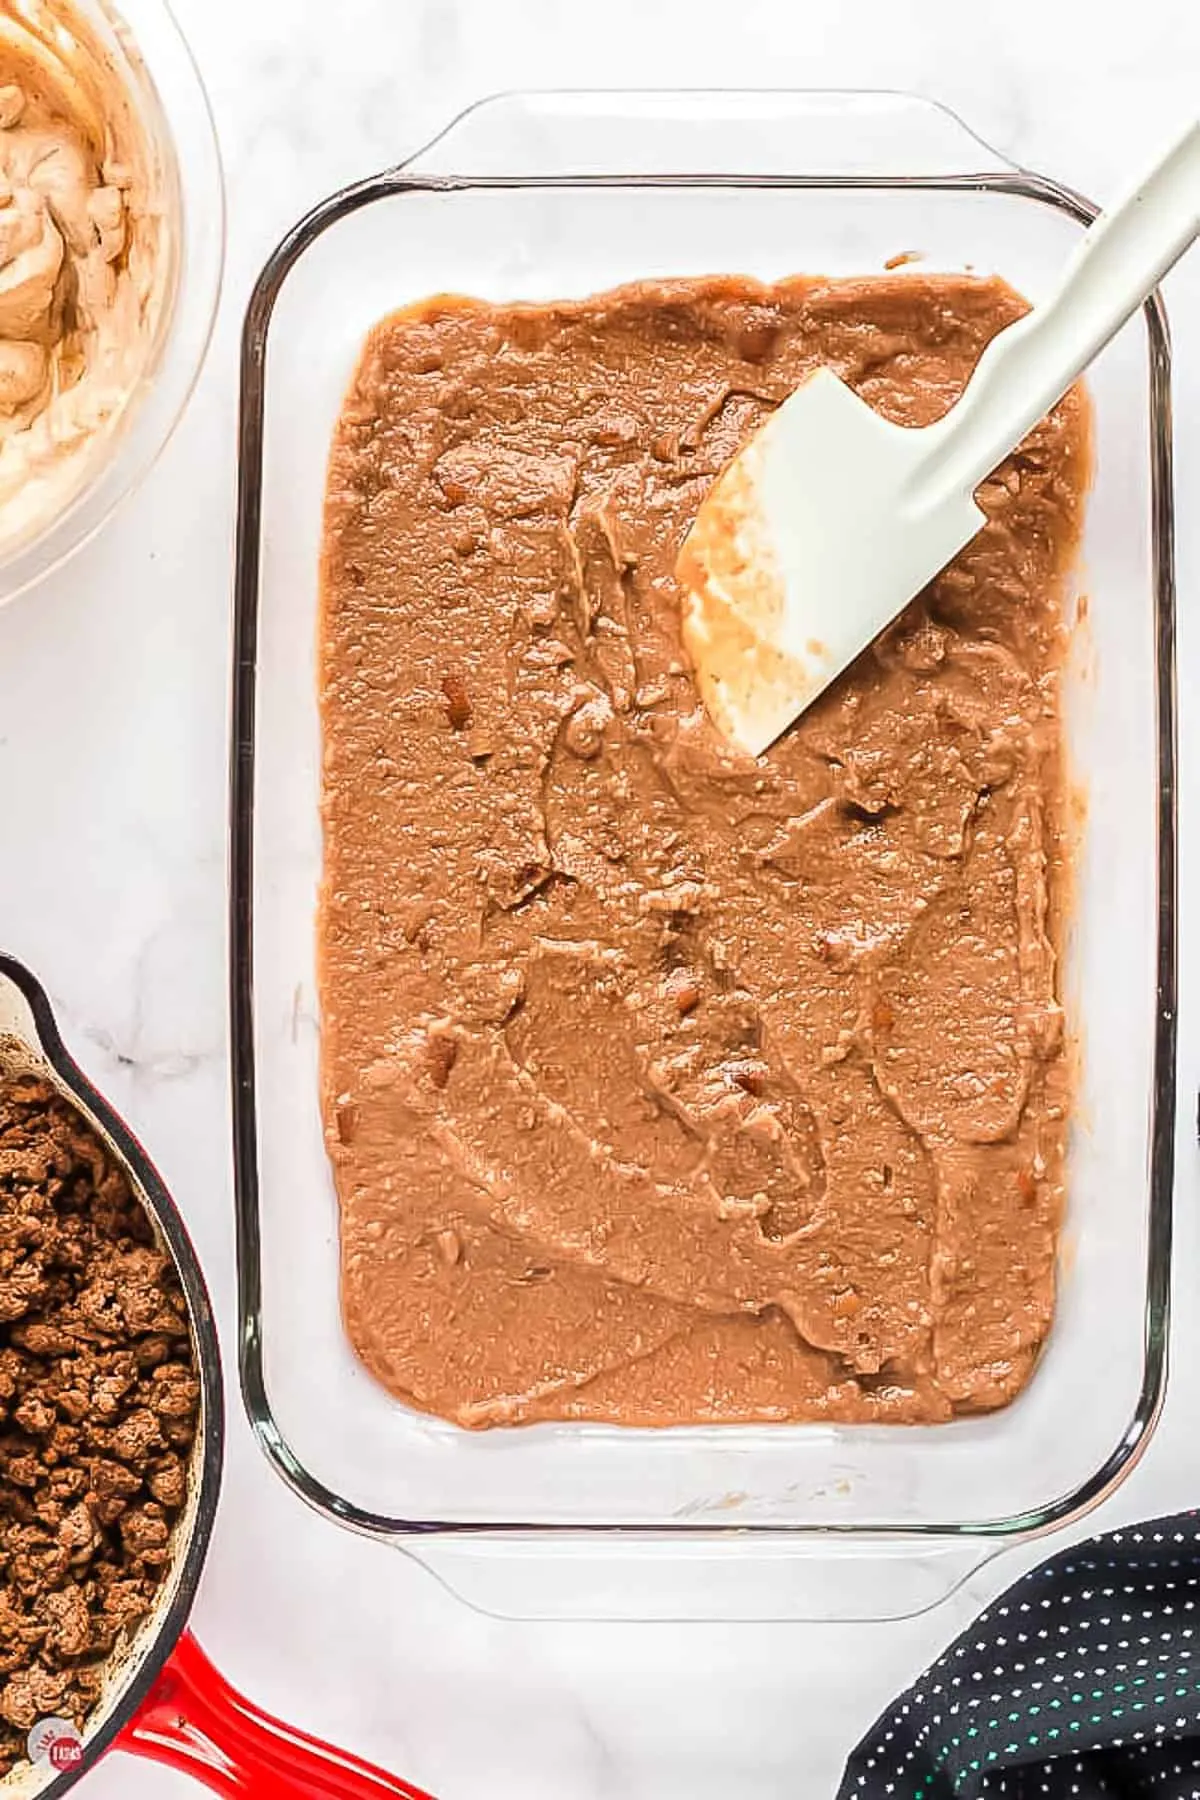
x=663 y=1085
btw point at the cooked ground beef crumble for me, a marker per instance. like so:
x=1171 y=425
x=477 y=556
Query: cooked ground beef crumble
x=98 y=1410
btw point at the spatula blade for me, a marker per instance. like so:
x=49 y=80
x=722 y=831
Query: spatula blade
x=809 y=543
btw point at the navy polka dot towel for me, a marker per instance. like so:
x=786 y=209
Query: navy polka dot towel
x=1082 y=1680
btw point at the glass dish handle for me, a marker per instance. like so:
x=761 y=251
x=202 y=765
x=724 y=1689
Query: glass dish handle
x=809 y=133
x=817 y=1577
x=194 y=1721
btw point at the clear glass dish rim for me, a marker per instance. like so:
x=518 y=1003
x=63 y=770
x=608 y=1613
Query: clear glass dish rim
x=1002 y=178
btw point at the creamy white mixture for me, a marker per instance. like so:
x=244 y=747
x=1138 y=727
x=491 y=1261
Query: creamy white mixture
x=82 y=244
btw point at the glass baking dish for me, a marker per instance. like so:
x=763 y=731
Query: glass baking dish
x=536 y=196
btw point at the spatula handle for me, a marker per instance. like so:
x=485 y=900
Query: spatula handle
x=1028 y=367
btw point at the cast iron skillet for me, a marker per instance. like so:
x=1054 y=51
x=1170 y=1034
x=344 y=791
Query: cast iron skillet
x=165 y=1700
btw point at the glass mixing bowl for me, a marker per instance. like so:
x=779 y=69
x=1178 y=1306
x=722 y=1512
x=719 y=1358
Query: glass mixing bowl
x=142 y=46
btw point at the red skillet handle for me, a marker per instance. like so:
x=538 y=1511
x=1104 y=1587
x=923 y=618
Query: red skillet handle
x=193 y=1720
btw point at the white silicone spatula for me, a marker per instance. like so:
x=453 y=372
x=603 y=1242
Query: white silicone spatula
x=830 y=519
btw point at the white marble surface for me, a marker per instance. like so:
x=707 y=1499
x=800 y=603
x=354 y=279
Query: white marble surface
x=113 y=700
